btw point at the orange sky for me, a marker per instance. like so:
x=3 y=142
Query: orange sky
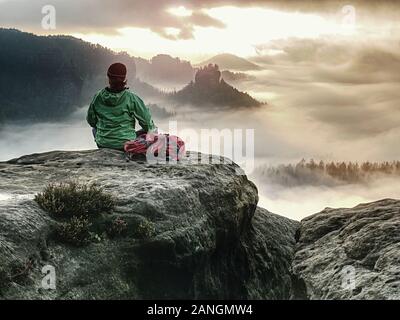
x=196 y=30
x=245 y=28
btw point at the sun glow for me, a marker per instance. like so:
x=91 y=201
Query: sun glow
x=180 y=11
x=172 y=31
x=245 y=29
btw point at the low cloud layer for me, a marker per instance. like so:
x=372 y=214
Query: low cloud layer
x=333 y=97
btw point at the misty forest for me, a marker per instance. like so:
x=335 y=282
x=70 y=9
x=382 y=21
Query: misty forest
x=58 y=74
x=331 y=173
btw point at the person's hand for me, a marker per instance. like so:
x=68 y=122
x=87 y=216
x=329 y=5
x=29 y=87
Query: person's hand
x=155 y=130
x=150 y=137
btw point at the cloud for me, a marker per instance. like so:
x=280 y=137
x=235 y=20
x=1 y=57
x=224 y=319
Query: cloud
x=104 y=16
x=332 y=95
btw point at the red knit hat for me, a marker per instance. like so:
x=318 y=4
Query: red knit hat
x=117 y=70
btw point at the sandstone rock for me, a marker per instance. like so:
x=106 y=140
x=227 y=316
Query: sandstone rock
x=351 y=253
x=209 y=241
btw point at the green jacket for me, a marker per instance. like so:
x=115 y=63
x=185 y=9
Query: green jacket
x=114 y=114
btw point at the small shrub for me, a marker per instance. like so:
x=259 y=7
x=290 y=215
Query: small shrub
x=144 y=230
x=117 y=227
x=20 y=271
x=69 y=199
x=75 y=232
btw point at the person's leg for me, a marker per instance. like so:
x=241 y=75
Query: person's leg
x=94 y=130
x=140 y=132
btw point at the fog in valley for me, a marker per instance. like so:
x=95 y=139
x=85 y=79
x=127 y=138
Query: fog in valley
x=273 y=145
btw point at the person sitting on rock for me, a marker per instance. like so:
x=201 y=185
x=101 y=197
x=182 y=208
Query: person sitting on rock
x=114 y=110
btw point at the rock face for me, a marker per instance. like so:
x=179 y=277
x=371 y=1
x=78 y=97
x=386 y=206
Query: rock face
x=210 y=90
x=351 y=253
x=210 y=240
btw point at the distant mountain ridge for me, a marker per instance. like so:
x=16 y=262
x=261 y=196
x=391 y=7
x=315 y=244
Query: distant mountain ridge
x=163 y=68
x=48 y=77
x=230 y=62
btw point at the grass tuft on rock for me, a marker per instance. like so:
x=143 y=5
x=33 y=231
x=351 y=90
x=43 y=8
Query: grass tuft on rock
x=69 y=199
x=144 y=230
x=75 y=232
x=77 y=205
x=20 y=270
x=117 y=228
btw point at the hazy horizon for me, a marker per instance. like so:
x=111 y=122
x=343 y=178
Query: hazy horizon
x=294 y=202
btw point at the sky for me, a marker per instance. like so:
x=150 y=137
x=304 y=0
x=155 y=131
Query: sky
x=196 y=30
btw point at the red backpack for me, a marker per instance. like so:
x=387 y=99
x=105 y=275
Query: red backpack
x=157 y=144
